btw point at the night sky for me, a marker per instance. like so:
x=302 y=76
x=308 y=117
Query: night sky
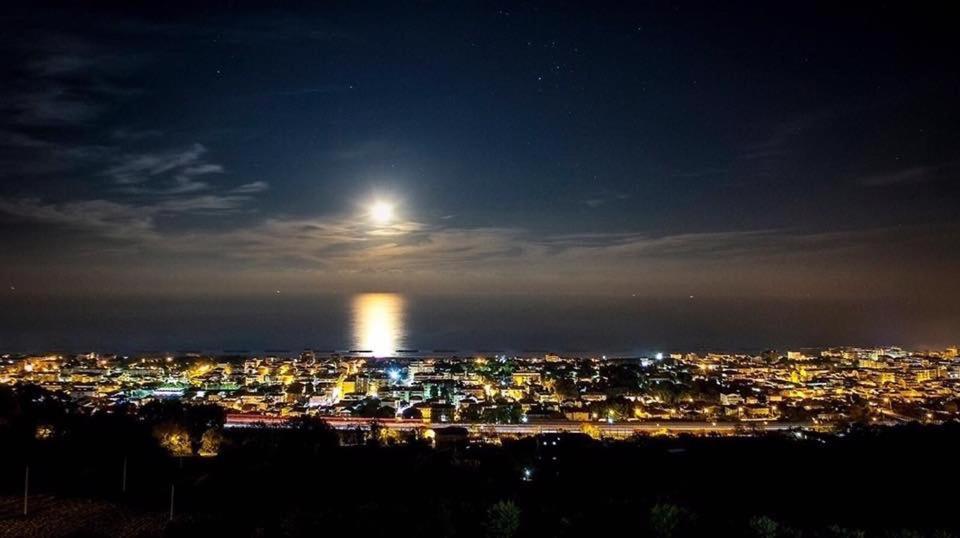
x=787 y=153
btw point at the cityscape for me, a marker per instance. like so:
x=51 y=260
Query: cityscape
x=495 y=396
x=473 y=269
x=159 y=444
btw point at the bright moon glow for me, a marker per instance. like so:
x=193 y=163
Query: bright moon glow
x=378 y=323
x=381 y=212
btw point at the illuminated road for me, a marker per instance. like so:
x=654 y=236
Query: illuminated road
x=616 y=429
x=894 y=415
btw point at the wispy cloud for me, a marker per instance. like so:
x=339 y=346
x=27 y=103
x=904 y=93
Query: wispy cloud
x=914 y=174
x=141 y=168
x=64 y=81
x=354 y=244
x=348 y=250
x=63 y=85
x=605 y=197
x=177 y=172
x=119 y=220
x=102 y=217
x=251 y=188
x=52 y=105
x=15 y=139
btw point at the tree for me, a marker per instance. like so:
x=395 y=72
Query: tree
x=565 y=388
x=24 y=407
x=591 y=429
x=295 y=388
x=842 y=532
x=173 y=437
x=412 y=413
x=669 y=520
x=376 y=430
x=387 y=436
x=198 y=419
x=503 y=520
x=194 y=419
x=210 y=442
x=368 y=408
x=763 y=527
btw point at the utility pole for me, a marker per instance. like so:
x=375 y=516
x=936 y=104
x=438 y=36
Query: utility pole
x=123 y=480
x=171 y=502
x=26 y=489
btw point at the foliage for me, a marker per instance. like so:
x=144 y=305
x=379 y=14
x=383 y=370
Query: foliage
x=841 y=532
x=503 y=520
x=501 y=413
x=371 y=408
x=763 y=527
x=591 y=429
x=669 y=520
x=565 y=388
x=173 y=437
x=617 y=408
x=210 y=442
x=412 y=413
x=285 y=472
x=194 y=419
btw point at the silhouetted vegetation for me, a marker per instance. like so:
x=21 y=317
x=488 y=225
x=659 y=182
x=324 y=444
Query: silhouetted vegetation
x=309 y=479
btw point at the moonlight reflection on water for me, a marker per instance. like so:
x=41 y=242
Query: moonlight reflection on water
x=378 y=323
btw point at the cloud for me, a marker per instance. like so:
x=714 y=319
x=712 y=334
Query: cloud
x=15 y=139
x=345 y=250
x=63 y=81
x=108 y=219
x=178 y=170
x=210 y=203
x=407 y=244
x=52 y=105
x=61 y=64
x=105 y=218
x=916 y=174
x=354 y=242
x=141 y=168
x=605 y=197
x=251 y=188
x=62 y=84
x=66 y=82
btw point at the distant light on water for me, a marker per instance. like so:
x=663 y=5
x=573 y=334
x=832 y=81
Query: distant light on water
x=378 y=323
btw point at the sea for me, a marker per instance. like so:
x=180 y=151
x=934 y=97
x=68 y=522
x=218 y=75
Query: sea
x=386 y=324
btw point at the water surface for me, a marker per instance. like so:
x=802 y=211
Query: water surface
x=381 y=322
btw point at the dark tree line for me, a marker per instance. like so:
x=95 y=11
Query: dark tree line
x=309 y=479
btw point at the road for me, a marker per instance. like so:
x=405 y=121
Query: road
x=615 y=429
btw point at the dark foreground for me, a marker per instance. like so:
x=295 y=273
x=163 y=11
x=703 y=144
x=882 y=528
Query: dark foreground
x=304 y=481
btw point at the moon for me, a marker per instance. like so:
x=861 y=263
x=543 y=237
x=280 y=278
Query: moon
x=381 y=212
